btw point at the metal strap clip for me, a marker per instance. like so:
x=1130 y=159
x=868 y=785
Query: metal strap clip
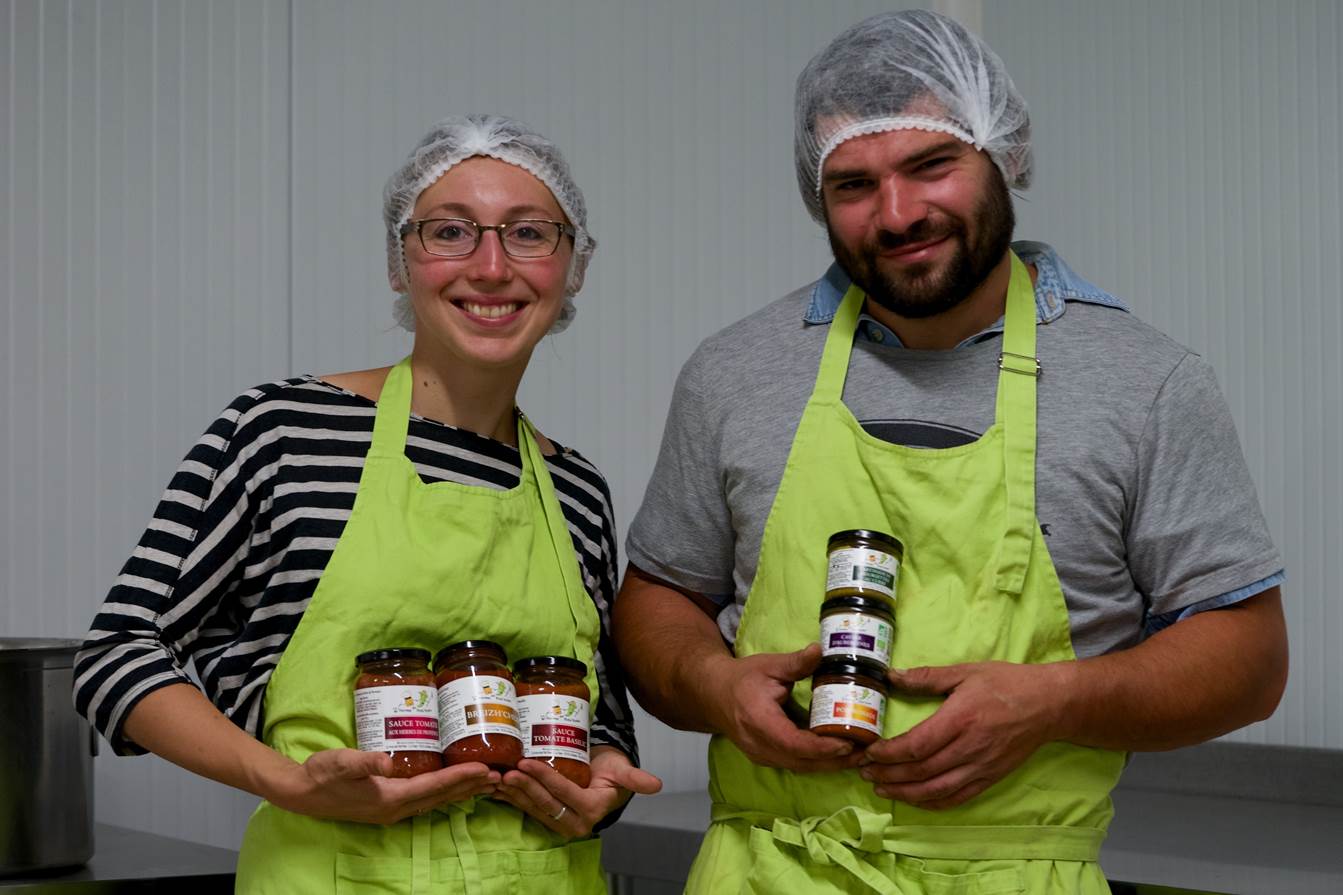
x=1024 y=357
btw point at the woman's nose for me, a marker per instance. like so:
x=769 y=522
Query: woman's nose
x=489 y=261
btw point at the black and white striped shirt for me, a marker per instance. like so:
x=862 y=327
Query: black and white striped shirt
x=221 y=577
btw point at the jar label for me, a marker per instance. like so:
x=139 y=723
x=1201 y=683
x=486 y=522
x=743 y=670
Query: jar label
x=396 y=719
x=554 y=726
x=852 y=567
x=850 y=704
x=856 y=634
x=476 y=705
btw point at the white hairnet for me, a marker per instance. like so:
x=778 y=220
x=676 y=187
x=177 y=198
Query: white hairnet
x=901 y=70
x=456 y=139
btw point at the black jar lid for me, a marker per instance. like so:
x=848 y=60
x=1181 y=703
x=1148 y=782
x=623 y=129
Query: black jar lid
x=488 y=645
x=556 y=661
x=400 y=652
x=849 y=665
x=874 y=605
x=868 y=534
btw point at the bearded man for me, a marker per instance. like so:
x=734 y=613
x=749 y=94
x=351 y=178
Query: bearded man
x=1085 y=571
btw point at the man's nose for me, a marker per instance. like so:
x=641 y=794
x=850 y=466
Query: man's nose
x=899 y=207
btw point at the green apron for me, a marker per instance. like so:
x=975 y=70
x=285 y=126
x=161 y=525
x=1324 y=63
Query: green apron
x=977 y=584
x=424 y=565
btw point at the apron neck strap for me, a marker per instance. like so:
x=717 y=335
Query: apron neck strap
x=392 y=418
x=1019 y=372
x=834 y=368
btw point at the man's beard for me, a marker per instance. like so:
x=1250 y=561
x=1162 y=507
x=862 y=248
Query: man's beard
x=926 y=291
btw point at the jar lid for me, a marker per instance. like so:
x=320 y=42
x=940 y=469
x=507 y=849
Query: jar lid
x=868 y=534
x=557 y=661
x=850 y=665
x=400 y=652
x=488 y=645
x=860 y=604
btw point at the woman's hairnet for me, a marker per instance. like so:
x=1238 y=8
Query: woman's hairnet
x=912 y=69
x=461 y=137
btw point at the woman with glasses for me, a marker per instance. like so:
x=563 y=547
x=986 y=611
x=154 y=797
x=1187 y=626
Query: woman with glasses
x=407 y=506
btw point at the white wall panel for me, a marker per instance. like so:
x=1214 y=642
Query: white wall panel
x=145 y=263
x=1187 y=159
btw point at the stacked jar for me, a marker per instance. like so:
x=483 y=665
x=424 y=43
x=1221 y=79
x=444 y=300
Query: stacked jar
x=857 y=634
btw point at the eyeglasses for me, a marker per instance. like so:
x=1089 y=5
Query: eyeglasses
x=458 y=237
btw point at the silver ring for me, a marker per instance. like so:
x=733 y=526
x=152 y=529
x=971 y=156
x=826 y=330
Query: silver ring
x=563 y=808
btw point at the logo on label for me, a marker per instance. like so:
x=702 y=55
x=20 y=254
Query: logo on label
x=416 y=702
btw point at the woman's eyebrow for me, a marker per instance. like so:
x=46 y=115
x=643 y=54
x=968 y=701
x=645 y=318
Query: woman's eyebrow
x=457 y=208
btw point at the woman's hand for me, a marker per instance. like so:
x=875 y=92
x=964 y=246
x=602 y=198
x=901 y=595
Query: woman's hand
x=563 y=806
x=346 y=784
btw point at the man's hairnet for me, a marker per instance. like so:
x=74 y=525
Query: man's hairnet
x=914 y=69
x=460 y=137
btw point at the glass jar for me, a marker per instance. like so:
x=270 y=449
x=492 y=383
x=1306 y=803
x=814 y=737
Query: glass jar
x=553 y=714
x=858 y=627
x=477 y=712
x=863 y=563
x=396 y=709
x=848 y=699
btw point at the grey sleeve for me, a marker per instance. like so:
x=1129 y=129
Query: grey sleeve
x=1195 y=529
x=683 y=532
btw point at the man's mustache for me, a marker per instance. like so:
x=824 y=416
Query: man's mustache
x=923 y=231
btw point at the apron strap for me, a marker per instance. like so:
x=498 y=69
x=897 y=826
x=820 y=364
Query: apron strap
x=580 y=604
x=829 y=388
x=392 y=418
x=1019 y=372
x=420 y=854
x=534 y=464
x=856 y=829
x=466 y=852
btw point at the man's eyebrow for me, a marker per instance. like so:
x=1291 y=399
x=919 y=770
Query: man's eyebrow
x=949 y=145
x=850 y=174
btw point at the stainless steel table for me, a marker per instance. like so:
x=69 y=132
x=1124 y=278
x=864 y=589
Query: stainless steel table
x=129 y=862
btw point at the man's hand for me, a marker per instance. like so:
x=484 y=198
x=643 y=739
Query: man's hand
x=994 y=718
x=346 y=784
x=750 y=712
x=565 y=807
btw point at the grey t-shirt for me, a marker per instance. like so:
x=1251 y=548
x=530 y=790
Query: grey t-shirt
x=1142 y=492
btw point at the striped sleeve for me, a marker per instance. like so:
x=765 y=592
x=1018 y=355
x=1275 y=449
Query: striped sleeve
x=128 y=652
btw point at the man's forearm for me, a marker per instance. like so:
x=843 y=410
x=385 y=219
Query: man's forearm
x=1200 y=678
x=667 y=647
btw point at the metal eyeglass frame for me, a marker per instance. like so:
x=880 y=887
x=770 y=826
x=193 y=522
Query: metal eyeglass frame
x=482 y=229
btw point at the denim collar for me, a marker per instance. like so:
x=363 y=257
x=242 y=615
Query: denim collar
x=1056 y=284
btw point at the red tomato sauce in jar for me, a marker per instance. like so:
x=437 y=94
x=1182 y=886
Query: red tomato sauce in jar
x=396 y=709
x=477 y=712
x=553 y=712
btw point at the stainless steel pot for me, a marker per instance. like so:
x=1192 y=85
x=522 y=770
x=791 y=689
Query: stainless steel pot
x=46 y=759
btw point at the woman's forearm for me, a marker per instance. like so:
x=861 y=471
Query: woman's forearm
x=178 y=723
